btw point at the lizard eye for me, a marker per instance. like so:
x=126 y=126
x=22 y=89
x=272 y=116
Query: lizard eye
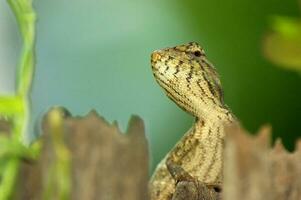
x=197 y=53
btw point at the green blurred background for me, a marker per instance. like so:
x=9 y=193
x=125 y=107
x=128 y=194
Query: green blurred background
x=96 y=54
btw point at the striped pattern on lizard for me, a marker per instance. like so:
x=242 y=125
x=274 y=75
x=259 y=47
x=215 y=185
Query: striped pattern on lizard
x=192 y=82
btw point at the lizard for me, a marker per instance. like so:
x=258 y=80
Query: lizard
x=192 y=82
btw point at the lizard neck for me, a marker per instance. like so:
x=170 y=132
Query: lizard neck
x=219 y=115
x=209 y=134
x=200 y=151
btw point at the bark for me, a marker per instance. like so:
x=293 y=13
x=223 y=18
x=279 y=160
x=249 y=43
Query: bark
x=255 y=171
x=106 y=164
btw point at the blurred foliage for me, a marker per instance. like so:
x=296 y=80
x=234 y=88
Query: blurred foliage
x=58 y=184
x=11 y=154
x=283 y=44
x=16 y=108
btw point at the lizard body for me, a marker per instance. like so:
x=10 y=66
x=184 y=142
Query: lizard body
x=192 y=82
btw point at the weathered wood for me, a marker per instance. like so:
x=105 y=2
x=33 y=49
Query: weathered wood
x=191 y=190
x=187 y=187
x=246 y=165
x=105 y=164
x=255 y=171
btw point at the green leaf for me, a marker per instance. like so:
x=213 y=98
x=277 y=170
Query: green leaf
x=282 y=45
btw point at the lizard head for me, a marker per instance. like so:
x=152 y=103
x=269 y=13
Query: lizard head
x=188 y=78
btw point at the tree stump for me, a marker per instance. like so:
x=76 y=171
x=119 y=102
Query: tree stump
x=105 y=164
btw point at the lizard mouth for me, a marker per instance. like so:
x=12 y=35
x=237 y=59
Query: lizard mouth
x=155 y=58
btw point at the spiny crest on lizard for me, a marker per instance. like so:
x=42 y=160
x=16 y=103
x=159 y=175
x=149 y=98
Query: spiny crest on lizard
x=189 y=79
